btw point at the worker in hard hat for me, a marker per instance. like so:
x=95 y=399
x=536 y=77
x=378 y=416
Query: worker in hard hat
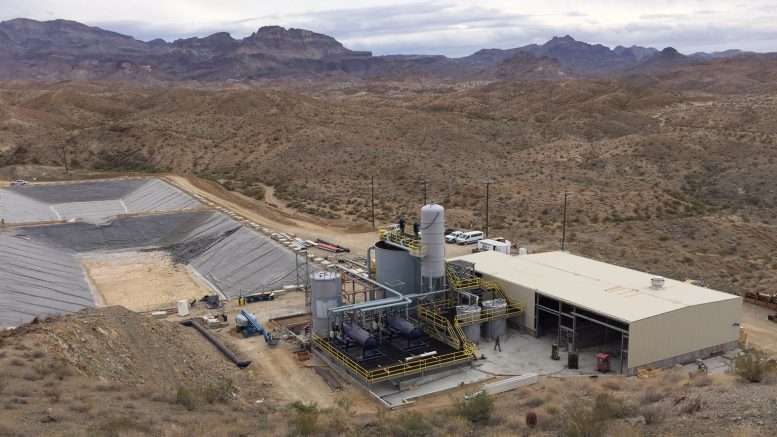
x=402 y=225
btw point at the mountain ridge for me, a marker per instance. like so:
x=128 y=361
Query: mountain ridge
x=68 y=50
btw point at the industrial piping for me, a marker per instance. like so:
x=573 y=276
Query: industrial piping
x=235 y=359
x=374 y=304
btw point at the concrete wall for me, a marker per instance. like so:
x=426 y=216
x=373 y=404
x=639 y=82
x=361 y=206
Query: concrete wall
x=521 y=294
x=684 y=332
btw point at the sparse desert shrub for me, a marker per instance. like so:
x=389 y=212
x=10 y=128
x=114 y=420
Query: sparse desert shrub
x=304 y=418
x=608 y=406
x=534 y=402
x=54 y=394
x=17 y=362
x=38 y=354
x=413 y=424
x=693 y=405
x=579 y=421
x=754 y=366
x=219 y=391
x=653 y=413
x=78 y=407
x=186 y=397
x=121 y=426
x=477 y=408
x=652 y=395
x=32 y=376
x=612 y=384
x=699 y=380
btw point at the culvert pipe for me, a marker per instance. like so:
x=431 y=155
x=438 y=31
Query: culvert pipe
x=222 y=347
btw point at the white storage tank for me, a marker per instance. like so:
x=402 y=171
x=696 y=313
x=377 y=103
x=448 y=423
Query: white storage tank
x=183 y=308
x=325 y=293
x=494 y=327
x=433 y=238
x=469 y=313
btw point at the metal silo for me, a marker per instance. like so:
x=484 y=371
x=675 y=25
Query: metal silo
x=396 y=264
x=325 y=293
x=433 y=238
x=495 y=327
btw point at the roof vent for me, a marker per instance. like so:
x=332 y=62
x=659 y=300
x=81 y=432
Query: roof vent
x=657 y=283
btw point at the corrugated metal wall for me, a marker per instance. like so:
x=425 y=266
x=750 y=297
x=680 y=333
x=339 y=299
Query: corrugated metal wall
x=685 y=330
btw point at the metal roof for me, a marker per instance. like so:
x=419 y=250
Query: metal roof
x=616 y=292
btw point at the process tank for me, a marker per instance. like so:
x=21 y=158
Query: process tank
x=325 y=293
x=396 y=264
x=467 y=314
x=495 y=327
x=433 y=238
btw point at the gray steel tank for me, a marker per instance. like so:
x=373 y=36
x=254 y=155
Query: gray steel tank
x=395 y=264
x=408 y=329
x=325 y=293
x=469 y=312
x=360 y=335
x=495 y=327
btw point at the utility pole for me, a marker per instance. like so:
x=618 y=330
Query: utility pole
x=564 y=222
x=372 y=198
x=488 y=183
x=64 y=155
x=424 y=182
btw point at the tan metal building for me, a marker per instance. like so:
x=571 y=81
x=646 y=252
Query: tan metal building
x=641 y=319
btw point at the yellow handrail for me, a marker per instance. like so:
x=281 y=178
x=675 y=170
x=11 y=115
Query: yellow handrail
x=401 y=369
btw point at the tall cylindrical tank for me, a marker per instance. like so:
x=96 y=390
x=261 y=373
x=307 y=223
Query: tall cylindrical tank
x=396 y=264
x=433 y=238
x=469 y=313
x=325 y=293
x=495 y=327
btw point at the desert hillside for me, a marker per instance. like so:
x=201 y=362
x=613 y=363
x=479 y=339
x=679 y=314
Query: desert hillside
x=671 y=173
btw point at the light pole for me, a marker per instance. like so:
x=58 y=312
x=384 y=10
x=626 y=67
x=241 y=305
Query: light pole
x=372 y=199
x=564 y=222
x=488 y=182
x=424 y=182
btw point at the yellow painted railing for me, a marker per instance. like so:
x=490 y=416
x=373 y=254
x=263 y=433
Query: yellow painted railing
x=415 y=246
x=514 y=307
x=401 y=369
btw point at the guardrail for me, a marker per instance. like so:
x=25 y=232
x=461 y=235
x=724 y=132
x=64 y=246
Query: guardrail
x=415 y=246
x=394 y=371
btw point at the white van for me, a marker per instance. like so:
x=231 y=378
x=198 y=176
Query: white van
x=469 y=237
x=451 y=238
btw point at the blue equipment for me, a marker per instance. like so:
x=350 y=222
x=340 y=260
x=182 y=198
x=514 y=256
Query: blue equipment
x=247 y=324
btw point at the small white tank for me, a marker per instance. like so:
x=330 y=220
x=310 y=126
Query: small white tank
x=183 y=308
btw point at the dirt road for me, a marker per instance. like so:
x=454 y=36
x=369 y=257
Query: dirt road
x=358 y=239
x=761 y=332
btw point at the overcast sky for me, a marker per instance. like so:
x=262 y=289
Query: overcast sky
x=449 y=27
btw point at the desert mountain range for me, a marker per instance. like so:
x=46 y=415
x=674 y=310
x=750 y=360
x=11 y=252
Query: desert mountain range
x=67 y=50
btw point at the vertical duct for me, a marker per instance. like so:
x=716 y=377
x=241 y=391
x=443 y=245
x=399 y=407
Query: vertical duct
x=433 y=238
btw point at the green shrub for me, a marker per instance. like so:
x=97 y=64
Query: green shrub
x=754 y=366
x=186 y=397
x=476 y=409
x=219 y=391
x=413 y=425
x=304 y=418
